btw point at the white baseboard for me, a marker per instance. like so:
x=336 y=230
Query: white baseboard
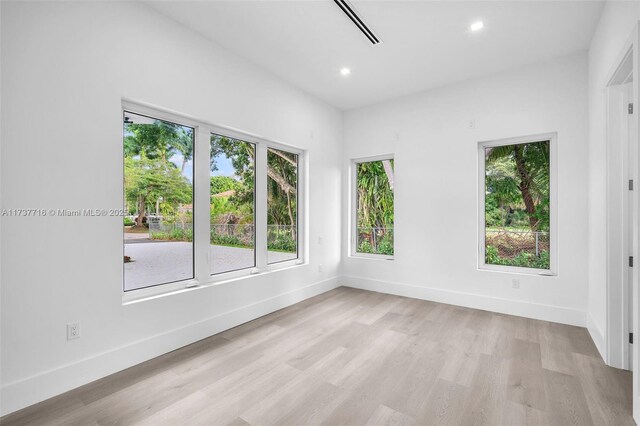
x=494 y=304
x=598 y=337
x=20 y=394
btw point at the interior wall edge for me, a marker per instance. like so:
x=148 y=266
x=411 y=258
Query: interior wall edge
x=37 y=388
x=597 y=336
x=520 y=308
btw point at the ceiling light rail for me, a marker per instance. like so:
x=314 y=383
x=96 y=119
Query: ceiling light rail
x=351 y=13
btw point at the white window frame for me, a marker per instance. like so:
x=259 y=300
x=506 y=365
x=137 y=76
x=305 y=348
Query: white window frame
x=553 y=200
x=201 y=205
x=353 y=240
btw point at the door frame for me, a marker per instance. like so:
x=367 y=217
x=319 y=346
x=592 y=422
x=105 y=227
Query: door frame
x=616 y=353
x=619 y=223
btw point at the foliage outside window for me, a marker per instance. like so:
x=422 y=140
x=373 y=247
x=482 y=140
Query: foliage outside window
x=232 y=207
x=158 y=197
x=282 y=206
x=517 y=206
x=161 y=246
x=374 y=186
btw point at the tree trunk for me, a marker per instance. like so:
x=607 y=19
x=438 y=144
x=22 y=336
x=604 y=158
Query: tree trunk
x=386 y=164
x=284 y=157
x=291 y=220
x=282 y=182
x=525 y=187
x=141 y=211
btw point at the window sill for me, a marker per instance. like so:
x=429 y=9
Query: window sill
x=142 y=295
x=371 y=256
x=517 y=270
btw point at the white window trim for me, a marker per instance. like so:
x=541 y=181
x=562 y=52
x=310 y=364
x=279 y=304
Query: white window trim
x=553 y=200
x=201 y=203
x=353 y=205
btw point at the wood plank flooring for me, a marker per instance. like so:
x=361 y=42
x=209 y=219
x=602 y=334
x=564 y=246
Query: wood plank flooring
x=356 y=357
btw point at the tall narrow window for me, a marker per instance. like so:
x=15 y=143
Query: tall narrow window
x=373 y=215
x=232 y=211
x=518 y=211
x=158 y=197
x=282 y=206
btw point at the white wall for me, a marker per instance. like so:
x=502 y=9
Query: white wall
x=615 y=27
x=66 y=67
x=436 y=186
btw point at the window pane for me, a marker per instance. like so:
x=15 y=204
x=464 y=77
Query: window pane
x=282 y=206
x=517 y=190
x=232 y=207
x=374 y=183
x=158 y=197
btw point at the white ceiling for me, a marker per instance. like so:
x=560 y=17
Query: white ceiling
x=426 y=44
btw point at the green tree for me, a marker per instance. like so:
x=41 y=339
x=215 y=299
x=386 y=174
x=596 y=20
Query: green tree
x=282 y=173
x=148 y=149
x=282 y=184
x=502 y=192
x=148 y=179
x=375 y=194
x=517 y=176
x=242 y=157
x=220 y=184
x=158 y=140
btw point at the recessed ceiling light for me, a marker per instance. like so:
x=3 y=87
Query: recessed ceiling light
x=345 y=71
x=477 y=26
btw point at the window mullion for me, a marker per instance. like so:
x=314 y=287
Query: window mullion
x=202 y=201
x=261 y=206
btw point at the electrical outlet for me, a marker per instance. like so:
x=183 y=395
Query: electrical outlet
x=319 y=240
x=319 y=268
x=515 y=283
x=73 y=331
x=471 y=124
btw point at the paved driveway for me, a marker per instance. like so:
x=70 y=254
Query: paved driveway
x=162 y=262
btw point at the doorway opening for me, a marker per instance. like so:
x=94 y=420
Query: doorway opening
x=621 y=213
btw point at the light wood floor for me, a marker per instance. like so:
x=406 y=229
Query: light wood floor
x=356 y=357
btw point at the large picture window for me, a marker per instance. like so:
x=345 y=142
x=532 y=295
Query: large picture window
x=517 y=204
x=373 y=211
x=158 y=197
x=204 y=203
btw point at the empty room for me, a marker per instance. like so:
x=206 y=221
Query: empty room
x=339 y=212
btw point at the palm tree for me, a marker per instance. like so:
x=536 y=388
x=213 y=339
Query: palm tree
x=530 y=162
x=157 y=141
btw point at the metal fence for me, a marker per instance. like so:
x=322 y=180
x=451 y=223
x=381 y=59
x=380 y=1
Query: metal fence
x=242 y=234
x=156 y=226
x=282 y=237
x=375 y=240
x=279 y=236
x=511 y=243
